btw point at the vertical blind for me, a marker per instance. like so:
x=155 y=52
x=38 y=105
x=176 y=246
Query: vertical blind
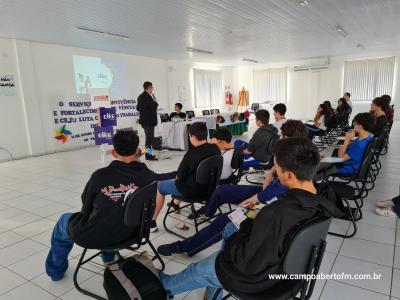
x=369 y=78
x=208 y=90
x=270 y=85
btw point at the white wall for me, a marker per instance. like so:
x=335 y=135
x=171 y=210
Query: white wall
x=13 y=126
x=180 y=74
x=307 y=89
x=46 y=75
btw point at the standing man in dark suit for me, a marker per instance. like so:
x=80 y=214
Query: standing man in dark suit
x=147 y=107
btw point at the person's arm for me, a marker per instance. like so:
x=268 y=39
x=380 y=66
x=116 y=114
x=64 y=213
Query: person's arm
x=269 y=177
x=253 y=198
x=88 y=196
x=183 y=169
x=347 y=140
x=255 y=236
x=254 y=143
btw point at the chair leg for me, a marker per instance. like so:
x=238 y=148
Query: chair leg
x=156 y=255
x=165 y=221
x=75 y=278
x=196 y=225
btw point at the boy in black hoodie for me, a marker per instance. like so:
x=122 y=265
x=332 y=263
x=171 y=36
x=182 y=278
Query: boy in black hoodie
x=185 y=183
x=100 y=223
x=249 y=254
x=259 y=149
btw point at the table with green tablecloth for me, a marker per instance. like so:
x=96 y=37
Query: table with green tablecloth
x=237 y=128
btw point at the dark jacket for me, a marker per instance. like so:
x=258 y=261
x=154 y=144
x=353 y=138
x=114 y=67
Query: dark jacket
x=181 y=115
x=147 y=107
x=380 y=124
x=100 y=223
x=260 y=144
x=186 y=175
x=257 y=249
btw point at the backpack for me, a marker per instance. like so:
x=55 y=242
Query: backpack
x=340 y=211
x=133 y=278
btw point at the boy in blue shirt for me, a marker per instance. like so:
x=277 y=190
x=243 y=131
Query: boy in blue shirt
x=352 y=151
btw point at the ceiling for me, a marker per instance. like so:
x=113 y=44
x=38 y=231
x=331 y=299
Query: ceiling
x=264 y=30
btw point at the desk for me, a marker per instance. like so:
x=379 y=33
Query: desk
x=175 y=134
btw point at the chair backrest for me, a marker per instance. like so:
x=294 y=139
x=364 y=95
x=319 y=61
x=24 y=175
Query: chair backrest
x=206 y=112
x=190 y=114
x=237 y=158
x=209 y=172
x=367 y=158
x=139 y=209
x=212 y=111
x=255 y=106
x=302 y=245
x=217 y=111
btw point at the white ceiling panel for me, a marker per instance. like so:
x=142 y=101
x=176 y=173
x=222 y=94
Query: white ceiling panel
x=264 y=30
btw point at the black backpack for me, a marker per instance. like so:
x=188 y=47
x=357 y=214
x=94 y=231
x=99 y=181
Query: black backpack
x=133 y=278
x=341 y=211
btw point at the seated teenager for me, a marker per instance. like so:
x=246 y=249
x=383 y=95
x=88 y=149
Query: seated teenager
x=279 y=115
x=100 y=223
x=352 y=151
x=185 y=183
x=258 y=150
x=389 y=110
x=321 y=121
x=347 y=96
x=271 y=188
x=342 y=106
x=178 y=113
x=222 y=138
x=249 y=254
x=328 y=103
x=378 y=108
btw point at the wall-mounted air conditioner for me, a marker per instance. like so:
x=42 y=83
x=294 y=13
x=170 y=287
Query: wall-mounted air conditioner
x=314 y=65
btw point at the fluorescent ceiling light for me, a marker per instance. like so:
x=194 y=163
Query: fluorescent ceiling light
x=190 y=49
x=104 y=34
x=250 y=60
x=302 y=2
x=341 y=31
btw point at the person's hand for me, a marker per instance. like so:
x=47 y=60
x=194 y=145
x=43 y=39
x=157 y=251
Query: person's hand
x=243 y=203
x=269 y=177
x=350 y=135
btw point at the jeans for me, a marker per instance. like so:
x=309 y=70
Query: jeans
x=396 y=207
x=61 y=246
x=249 y=161
x=228 y=193
x=198 y=275
x=168 y=187
x=314 y=131
x=234 y=194
x=149 y=136
x=206 y=237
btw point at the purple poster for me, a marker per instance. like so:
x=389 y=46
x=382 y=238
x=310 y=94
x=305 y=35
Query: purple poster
x=108 y=116
x=103 y=135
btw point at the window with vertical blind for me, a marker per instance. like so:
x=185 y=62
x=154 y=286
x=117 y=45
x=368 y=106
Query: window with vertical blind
x=369 y=78
x=208 y=90
x=270 y=85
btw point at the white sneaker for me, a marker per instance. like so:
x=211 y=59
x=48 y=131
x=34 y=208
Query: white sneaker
x=385 y=212
x=385 y=203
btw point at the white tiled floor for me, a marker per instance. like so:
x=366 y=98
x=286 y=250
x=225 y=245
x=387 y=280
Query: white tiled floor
x=35 y=192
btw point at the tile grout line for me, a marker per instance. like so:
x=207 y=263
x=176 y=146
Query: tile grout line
x=394 y=256
x=334 y=261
